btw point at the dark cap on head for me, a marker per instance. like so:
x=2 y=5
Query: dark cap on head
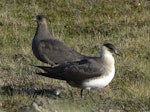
x=111 y=48
x=39 y=17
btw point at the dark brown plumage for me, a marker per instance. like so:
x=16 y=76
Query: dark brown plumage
x=50 y=50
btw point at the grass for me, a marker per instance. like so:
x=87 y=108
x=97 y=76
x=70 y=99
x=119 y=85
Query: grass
x=85 y=26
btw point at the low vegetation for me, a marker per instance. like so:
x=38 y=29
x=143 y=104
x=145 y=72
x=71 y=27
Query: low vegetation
x=83 y=25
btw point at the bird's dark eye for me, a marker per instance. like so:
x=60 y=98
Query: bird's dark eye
x=110 y=47
x=39 y=18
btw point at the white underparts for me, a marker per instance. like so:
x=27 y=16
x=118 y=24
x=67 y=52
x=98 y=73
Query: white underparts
x=104 y=79
x=99 y=82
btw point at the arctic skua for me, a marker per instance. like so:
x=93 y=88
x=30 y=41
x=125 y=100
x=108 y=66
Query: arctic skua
x=48 y=49
x=89 y=73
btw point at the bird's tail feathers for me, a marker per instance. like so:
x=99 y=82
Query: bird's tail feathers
x=45 y=68
x=43 y=74
x=50 y=75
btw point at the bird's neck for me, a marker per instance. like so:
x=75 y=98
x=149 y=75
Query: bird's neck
x=107 y=58
x=42 y=32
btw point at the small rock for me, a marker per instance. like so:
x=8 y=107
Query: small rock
x=41 y=104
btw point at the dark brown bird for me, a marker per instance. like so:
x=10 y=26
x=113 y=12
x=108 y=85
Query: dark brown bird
x=50 y=50
x=89 y=73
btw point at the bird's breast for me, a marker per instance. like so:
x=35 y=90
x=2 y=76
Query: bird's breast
x=99 y=82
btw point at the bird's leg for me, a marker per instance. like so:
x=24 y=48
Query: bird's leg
x=81 y=94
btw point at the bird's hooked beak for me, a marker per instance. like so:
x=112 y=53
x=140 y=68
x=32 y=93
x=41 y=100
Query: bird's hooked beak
x=34 y=19
x=117 y=52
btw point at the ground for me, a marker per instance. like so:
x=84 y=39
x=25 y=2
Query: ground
x=83 y=25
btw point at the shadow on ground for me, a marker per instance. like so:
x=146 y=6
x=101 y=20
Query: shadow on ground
x=9 y=90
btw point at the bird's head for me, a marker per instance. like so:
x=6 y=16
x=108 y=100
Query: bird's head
x=40 y=19
x=110 y=48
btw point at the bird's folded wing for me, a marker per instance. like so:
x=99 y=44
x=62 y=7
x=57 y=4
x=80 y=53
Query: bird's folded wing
x=55 y=45
x=57 y=51
x=75 y=71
